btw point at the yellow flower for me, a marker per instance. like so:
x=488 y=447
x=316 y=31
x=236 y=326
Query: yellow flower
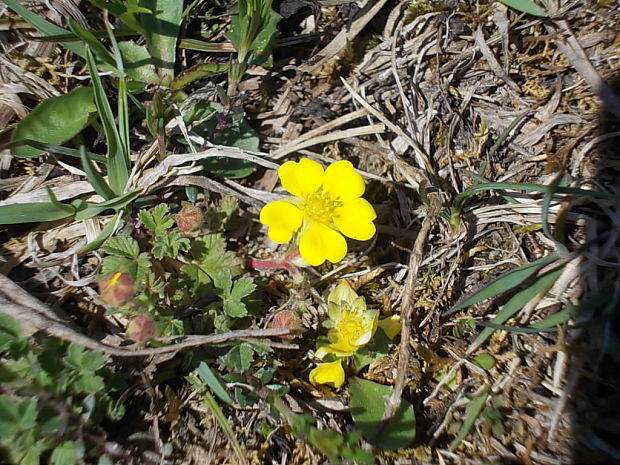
x=327 y=204
x=328 y=373
x=351 y=324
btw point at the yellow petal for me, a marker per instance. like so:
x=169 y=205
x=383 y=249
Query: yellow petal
x=342 y=182
x=319 y=243
x=283 y=219
x=369 y=319
x=343 y=292
x=342 y=349
x=301 y=179
x=391 y=326
x=328 y=373
x=354 y=219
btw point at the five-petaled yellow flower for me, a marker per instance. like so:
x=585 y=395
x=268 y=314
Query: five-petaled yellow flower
x=326 y=204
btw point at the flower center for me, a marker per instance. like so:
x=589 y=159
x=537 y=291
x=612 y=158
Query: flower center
x=320 y=207
x=351 y=325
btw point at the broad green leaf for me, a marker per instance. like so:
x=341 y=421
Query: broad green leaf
x=377 y=349
x=541 y=285
x=526 y=6
x=95 y=178
x=45 y=27
x=32 y=213
x=161 y=30
x=474 y=408
x=367 y=409
x=504 y=283
x=484 y=361
x=209 y=377
x=240 y=356
x=55 y=120
x=89 y=383
x=138 y=62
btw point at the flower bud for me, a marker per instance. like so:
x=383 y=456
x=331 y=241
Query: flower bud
x=190 y=218
x=116 y=288
x=140 y=328
x=287 y=319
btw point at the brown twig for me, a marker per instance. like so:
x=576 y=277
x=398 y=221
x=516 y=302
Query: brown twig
x=415 y=259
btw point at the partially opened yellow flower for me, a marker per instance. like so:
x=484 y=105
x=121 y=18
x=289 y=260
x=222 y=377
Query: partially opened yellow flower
x=328 y=373
x=351 y=324
x=326 y=204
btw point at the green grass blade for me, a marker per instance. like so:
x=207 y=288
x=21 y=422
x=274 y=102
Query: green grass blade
x=474 y=408
x=540 y=286
x=94 y=177
x=526 y=6
x=33 y=213
x=515 y=329
x=117 y=203
x=504 y=283
x=118 y=164
x=51 y=148
x=93 y=44
x=106 y=232
x=45 y=27
x=207 y=375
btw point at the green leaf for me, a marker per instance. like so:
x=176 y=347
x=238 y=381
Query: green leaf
x=556 y=319
x=81 y=359
x=118 y=160
x=122 y=246
x=138 y=62
x=45 y=27
x=474 y=408
x=504 y=283
x=9 y=331
x=161 y=30
x=212 y=380
x=242 y=287
x=541 y=285
x=106 y=232
x=94 y=177
x=94 y=45
x=484 y=361
x=55 y=120
x=158 y=221
x=525 y=6
x=32 y=213
x=372 y=352
x=240 y=357
x=65 y=453
x=89 y=384
x=367 y=408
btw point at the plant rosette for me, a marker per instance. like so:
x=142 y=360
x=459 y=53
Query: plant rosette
x=326 y=205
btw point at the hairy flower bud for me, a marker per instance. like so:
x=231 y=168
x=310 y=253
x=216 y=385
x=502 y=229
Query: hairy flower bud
x=190 y=218
x=116 y=288
x=140 y=328
x=287 y=319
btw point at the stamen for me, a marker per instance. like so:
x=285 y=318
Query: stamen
x=320 y=207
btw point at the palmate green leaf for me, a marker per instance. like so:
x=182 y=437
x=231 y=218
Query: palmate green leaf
x=66 y=453
x=114 y=264
x=45 y=27
x=367 y=408
x=541 y=285
x=9 y=331
x=157 y=222
x=474 y=408
x=504 y=283
x=526 y=6
x=122 y=246
x=55 y=120
x=161 y=30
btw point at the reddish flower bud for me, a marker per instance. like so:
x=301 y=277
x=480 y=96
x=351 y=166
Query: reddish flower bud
x=287 y=319
x=141 y=328
x=190 y=218
x=116 y=288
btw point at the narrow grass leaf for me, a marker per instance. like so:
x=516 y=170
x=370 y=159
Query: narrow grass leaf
x=52 y=148
x=474 y=408
x=504 y=283
x=207 y=375
x=89 y=209
x=45 y=27
x=32 y=213
x=556 y=319
x=525 y=6
x=541 y=285
x=106 y=232
x=94 y=177
x=54 y=121
x=117 y=167
x=93 y=44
